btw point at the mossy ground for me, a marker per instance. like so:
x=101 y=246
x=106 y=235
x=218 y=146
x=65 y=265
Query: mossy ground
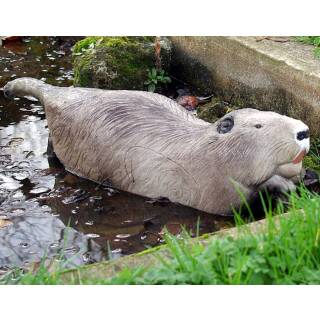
x=312 y=160
x=220 y=106
x=91 y=42
x=213 y=110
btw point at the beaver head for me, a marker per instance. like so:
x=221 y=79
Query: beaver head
x=259 y=144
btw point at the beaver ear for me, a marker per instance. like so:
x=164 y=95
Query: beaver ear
x=225 y=125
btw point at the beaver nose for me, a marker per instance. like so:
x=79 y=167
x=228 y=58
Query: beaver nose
x=303 y=135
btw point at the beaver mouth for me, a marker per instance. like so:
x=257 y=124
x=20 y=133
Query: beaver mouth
x=299 y=157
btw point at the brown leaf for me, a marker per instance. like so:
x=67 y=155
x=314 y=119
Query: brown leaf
x=188 y=102
x=275 y=39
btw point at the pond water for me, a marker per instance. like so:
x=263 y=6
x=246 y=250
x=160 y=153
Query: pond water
x=46 y=211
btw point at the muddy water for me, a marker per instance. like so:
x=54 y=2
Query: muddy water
x=46 y=211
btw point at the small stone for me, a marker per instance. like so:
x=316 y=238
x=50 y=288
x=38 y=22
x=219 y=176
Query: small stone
x=95 y=198
x=123 y=236
x=92 y=235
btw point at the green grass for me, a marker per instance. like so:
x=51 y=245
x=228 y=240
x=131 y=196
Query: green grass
x=313 y=40
x=288 y=252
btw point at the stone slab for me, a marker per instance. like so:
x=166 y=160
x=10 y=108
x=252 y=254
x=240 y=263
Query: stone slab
x=253 y=72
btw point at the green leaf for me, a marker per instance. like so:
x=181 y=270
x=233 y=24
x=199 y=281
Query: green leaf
x=154 y=72
x=151 y=87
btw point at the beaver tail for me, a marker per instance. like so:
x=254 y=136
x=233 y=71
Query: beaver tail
x=26 y=87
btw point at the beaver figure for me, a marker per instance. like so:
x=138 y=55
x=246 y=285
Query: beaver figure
x=149 y=145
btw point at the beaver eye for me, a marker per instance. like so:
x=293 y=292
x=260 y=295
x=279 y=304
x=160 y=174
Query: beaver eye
x=225 y=125
x=258 y=126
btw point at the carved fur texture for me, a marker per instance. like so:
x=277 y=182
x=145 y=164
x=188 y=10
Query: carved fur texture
x=149 y=145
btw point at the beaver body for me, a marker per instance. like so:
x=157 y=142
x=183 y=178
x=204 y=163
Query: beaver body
x=147 y=144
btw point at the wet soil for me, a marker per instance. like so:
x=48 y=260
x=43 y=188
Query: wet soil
x=46 y=211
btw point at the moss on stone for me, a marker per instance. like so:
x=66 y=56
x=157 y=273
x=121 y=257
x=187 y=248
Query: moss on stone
x=85 y=44
x=117 y=62
x=213 y=110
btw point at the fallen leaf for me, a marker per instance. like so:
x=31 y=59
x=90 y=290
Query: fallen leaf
x=275 y=39
x=188 y=102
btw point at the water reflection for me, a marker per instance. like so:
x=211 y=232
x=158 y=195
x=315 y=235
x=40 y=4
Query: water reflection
x=31 y=235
